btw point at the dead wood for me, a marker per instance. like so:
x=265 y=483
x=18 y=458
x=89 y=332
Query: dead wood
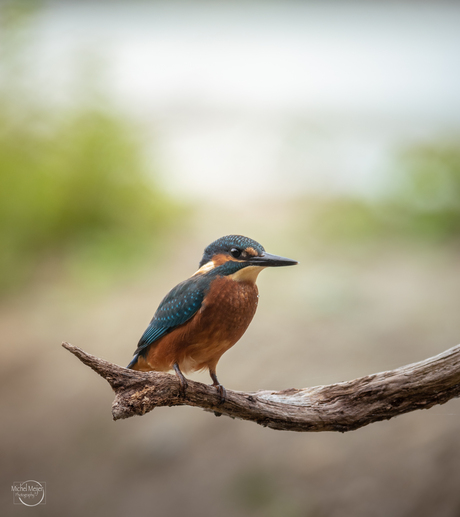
x=344 y=406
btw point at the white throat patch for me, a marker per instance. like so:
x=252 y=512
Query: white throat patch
x=247 y=274
x=205 y=268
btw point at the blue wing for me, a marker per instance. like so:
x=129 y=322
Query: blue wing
x=179 y=305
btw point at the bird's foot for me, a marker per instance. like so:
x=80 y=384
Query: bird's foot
x=182 y=380
x=222 y=392
x=183 y=387
x=218 y=386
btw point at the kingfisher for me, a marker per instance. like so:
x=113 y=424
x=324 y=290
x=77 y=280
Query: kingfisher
x=205 y=315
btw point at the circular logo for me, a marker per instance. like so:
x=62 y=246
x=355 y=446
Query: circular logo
x=32 y=493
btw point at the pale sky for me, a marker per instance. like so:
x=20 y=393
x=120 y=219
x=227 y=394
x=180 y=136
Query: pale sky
x=316 y=91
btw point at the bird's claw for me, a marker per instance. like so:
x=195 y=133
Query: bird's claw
x=182 y=381
x=182 y=388
x=222 y=392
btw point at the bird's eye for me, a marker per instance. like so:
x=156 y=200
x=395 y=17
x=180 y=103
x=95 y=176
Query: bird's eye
x=235 y=252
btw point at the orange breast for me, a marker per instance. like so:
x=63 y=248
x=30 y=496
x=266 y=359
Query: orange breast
x=226 y=313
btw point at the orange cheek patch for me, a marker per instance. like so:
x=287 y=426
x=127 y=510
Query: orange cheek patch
x=251 y=251
x=220 y=259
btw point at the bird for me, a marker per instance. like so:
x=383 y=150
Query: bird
x=205 y=315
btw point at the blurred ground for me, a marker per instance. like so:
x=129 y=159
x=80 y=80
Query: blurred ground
x=342 y=313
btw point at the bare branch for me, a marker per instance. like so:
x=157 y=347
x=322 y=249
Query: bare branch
x=337 y=407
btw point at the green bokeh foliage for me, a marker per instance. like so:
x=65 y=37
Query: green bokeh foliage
x=75 y=187
x=421 y=204
x=79 y=185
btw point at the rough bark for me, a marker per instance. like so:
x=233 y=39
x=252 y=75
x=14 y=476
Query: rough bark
x=344 y=406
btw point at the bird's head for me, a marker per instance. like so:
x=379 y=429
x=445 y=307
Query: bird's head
x=239 y=257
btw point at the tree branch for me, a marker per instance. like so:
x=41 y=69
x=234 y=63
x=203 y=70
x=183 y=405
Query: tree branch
x=344 y=406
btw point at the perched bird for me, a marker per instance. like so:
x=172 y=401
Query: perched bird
x=204 y=316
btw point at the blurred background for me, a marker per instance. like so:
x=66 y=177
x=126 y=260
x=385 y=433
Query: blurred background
x=133 y=134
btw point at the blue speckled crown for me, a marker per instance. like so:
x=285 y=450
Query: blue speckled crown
x=225 y=244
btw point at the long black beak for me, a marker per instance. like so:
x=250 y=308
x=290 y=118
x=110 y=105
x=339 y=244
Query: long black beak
x=268 y=260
